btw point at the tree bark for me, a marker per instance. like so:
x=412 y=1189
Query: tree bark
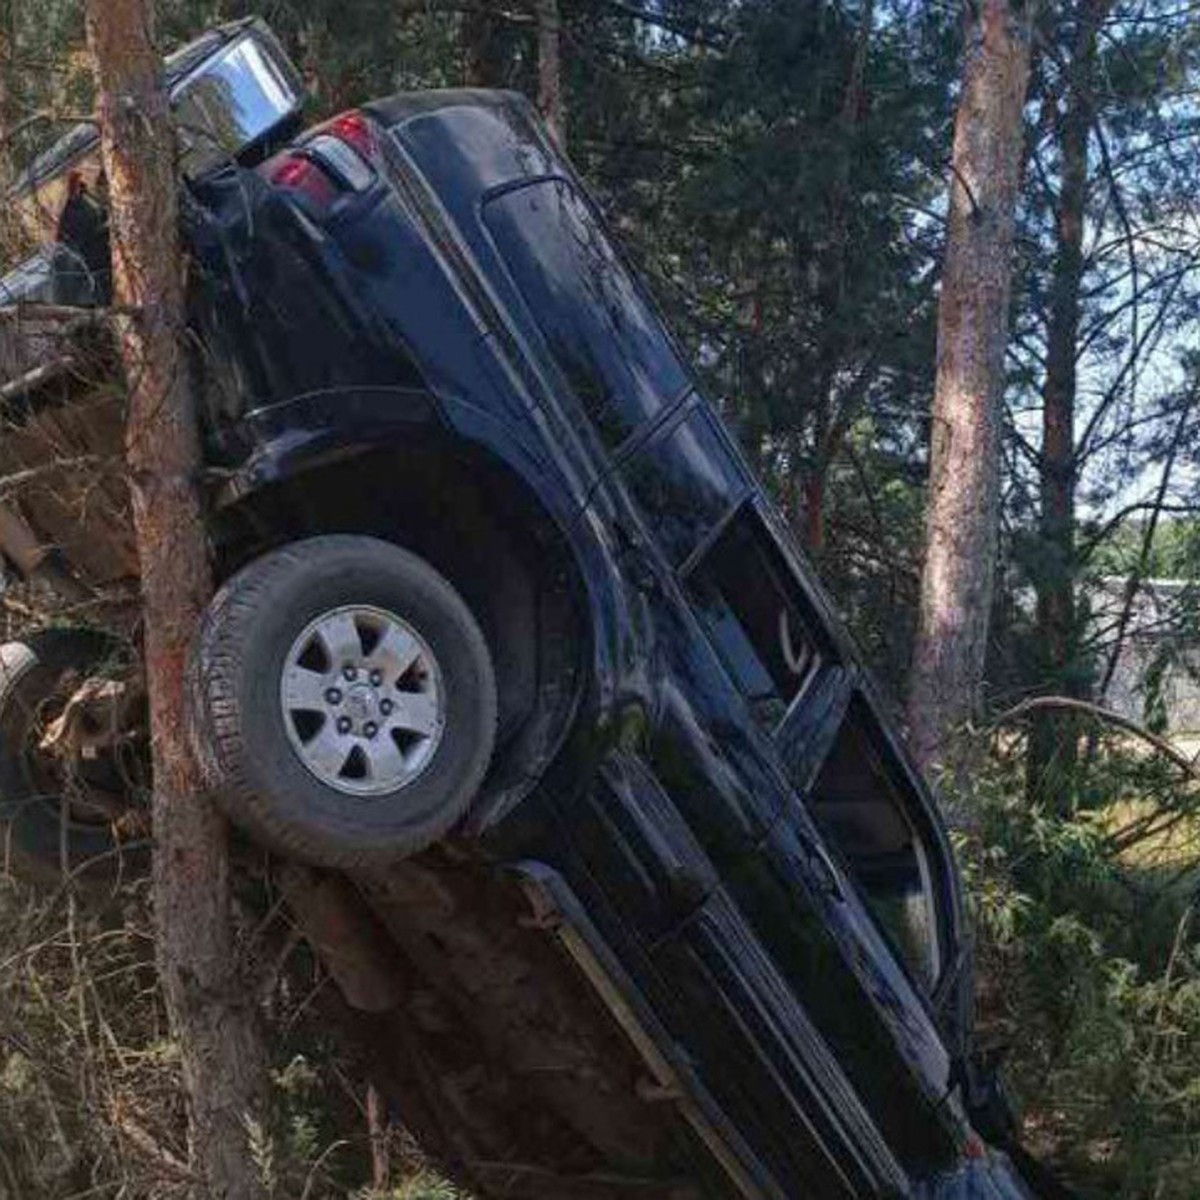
x=1057 y=468
x=550 y=99
x=1053 y=744
x=832 y=269
x=964 y=468
x=6 y=59
x=314 y=59
x=7 y=55
x=377 y=1132
x=482 y=55
x=210 y=1007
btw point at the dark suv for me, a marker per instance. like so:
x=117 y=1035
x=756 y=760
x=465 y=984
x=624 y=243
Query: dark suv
x=493 y=569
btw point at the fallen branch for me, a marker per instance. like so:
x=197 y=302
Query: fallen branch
x=1071 y=704
x=143 y=1141
x=18 y=479
x=35 y=377
x=66 y=314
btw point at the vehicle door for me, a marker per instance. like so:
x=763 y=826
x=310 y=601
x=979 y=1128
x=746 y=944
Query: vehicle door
x=762 y=952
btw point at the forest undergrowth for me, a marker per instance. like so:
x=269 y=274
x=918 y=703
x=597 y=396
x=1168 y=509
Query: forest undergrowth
x=1089 y=987
x=1084 y=903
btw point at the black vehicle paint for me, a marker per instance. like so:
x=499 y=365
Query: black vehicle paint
x=668 y=818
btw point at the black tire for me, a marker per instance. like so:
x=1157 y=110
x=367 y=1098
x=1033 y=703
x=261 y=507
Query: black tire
x=44 y=834
x=238 y=726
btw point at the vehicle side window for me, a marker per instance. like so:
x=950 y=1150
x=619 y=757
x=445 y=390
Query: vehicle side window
x=605 y=337
x=743 y=593
x=864 y=813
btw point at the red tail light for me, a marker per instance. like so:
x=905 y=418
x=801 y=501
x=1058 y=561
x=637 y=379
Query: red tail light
x=304 y=175
x=354 y=129
x=333 y=160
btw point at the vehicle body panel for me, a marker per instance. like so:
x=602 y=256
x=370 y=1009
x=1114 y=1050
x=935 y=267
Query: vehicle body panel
x=474 y=291
x=727 y=838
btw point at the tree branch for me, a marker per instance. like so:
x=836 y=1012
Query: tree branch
x=1070 y=704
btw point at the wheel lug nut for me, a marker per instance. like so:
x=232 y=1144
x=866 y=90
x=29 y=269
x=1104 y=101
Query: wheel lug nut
x=370 y=729
x=385 y=707
x=334 y=696
x=351 y=673
x=376 y=678
x=344 y=725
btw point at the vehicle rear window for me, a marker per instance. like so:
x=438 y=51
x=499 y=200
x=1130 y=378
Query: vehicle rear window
x=745 y=596
x=605 y=337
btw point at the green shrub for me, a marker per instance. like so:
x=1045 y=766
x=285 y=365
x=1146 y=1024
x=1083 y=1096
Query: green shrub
x=1090 y=974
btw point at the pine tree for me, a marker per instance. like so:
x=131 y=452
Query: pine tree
x=211 y=1009
x=964 y=457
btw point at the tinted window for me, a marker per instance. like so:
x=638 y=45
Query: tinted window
x=686 y=482
x=606 y=339
x=864 y=812
x=745 y=596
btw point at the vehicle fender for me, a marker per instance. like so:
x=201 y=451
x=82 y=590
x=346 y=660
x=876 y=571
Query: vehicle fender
x=279 y=441
x=301 y=435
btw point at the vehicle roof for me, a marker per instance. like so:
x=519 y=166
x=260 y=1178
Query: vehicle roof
x=402 y=106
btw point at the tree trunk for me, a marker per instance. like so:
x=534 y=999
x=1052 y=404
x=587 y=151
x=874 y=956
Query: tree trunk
x=210 y=1007
x=813 y=509
x=315 y=59
x=964 y=468
x=1054 y=737
x=7 y=54
x=550 y=92
x=831 y=265
x=482 y=54
x=377 y=1132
